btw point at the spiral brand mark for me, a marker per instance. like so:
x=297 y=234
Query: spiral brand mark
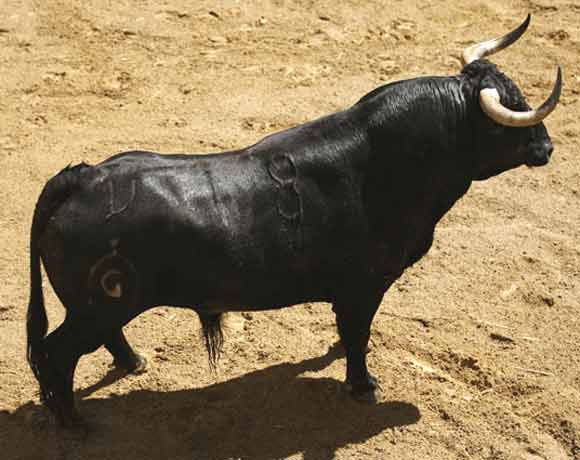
x=114 y=276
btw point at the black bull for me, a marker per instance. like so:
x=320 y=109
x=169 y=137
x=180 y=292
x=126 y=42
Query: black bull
x=333 y=210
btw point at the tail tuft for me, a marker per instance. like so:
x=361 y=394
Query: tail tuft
x=214 y=339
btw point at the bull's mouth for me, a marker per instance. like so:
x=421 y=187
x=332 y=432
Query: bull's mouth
x=539 y=155
x=536 y=159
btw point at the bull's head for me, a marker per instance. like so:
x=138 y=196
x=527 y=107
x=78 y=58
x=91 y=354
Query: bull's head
x=509 y=133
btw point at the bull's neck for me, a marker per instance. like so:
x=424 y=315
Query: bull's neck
x=423 y=116
x=417 y=167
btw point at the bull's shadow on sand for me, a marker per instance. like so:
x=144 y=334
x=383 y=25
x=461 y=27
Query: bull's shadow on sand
x=267 y=414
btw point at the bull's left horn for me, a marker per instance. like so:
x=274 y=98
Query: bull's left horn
x=483 y=49
x=491 y=105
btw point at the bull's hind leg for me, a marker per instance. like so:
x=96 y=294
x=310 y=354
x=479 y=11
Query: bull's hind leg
x=57 y=358
x=354 y=314
x=124 y=357
x=55 y=367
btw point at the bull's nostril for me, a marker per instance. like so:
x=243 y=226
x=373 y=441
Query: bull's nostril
x=549 y=149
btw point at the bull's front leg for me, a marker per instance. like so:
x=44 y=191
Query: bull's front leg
x=355 y=311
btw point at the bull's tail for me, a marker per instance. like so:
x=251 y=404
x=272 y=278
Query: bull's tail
x=211 y=325
x=54 y=194
x=36 y=320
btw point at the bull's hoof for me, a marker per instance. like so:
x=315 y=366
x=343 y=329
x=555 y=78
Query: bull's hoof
x=368 y=397
x=75 y=427
x=140 y=366
x=135 y=367
x=365 y=392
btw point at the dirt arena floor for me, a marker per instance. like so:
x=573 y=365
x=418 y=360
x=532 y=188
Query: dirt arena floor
x=477 y=347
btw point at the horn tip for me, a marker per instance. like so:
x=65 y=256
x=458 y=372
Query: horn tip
x=526 y=23
x=559 y=81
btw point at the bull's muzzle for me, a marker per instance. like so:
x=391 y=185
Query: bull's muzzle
x=540 y=153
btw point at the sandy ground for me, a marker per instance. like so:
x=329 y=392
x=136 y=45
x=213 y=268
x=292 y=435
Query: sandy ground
x=477 y=347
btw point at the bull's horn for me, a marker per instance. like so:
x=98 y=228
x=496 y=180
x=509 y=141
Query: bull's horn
x=483 y=49
x=491 y=105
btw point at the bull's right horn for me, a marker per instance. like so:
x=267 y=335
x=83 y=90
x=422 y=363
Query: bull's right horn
x=491 y=105
x=483 y=49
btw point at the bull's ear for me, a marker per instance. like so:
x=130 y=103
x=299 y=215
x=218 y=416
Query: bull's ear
x=487 y=83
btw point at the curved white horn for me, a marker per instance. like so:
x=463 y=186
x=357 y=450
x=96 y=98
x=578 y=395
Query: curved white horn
x=491 y=105
x=483 y=49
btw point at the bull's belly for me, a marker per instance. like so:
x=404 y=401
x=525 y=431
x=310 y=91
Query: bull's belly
x=227 y=272
x=245 y=290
